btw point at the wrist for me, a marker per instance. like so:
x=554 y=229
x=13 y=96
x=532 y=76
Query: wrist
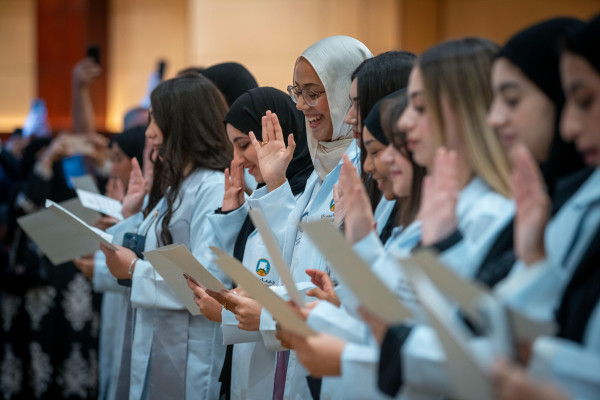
x=275 y=183
x=131 y=267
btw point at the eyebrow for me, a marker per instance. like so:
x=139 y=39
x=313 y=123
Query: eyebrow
x=241 y=138
x=508 y=85
x=368 y=142
x=415 y=94
x=308 y=84
x=575 y=86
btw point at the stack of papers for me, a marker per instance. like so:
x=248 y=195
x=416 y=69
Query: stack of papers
x=373 y=294
x=61 y=235
x=260 y=292
x=100 y=203
x=171 y=262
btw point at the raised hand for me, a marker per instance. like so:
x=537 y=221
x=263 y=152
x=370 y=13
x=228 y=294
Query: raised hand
x=359 y=220
x=439 y=197
x=273 y=155
x=208 y=306
x=533 y=207
x=115 y=189
x=339 y=213
x=325 y=289
x=85 y=71
x=136 y=191
x=234 y=187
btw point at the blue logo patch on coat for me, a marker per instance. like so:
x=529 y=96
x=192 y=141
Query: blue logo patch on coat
x=263 y=267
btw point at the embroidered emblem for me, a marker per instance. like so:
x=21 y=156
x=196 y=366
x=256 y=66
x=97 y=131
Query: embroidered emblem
x=263 y=267
x=38 y=302
x=10 y=307
x=77 y=302
x=332 y=206
x=11 y=373
x=75 y=376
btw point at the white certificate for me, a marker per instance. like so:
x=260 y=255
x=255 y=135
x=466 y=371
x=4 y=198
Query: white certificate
x=260 y=292
x=100 y=203
x=373 y=294
x=61 y=235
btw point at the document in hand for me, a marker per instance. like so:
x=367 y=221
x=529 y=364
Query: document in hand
x=100 y=203
x=61 y=235
x=373 y=294
x=171 y=262
x=281 y=266
x=468 y=371
x=260 y=292
x=469 y=295
x=85 y=182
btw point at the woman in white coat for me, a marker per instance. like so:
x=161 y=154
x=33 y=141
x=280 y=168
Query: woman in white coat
x=174 y=355
x=252 y=367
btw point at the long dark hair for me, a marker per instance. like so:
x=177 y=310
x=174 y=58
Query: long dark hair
x=391 y=110
x=376 y=78
x=189 y=111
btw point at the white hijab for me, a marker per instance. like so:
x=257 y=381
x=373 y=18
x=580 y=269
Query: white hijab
x=334 y=59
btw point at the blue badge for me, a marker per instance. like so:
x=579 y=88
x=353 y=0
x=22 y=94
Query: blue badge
x=263 y=267
x=332 y=206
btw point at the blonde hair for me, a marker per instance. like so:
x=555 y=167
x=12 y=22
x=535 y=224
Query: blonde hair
x=460 y=70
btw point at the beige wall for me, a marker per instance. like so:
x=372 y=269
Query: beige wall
x=264 y=35
x=140 y=33
x=17 y=61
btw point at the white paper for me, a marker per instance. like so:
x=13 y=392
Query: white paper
x=260 y=292
x=373 y=294
x=173 y=275
x=468 y=371
x=62 y=236
x=280 y=265
x=100 y=203
x=180 y=257
x=85 y=182
x=468 y=294
x=75 y=207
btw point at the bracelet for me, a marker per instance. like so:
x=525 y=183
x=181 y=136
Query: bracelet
x=132 y=265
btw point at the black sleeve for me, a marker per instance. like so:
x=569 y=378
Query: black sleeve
x=444 y=244
x=390 y=360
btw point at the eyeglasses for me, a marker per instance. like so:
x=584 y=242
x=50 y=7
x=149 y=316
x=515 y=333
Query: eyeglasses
x=310 y=96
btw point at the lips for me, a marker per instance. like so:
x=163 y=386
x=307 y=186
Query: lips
x=411 y=144
x=313 y=120
x=508 y=139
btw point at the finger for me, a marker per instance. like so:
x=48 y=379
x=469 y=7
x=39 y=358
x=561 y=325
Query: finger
x=317 y=293
x=233 y=299
x=270 y=127
x=291 y=146
x=216 y=296
x=226 y=173
x=277 y=128
x=255 y=143
x=237 y=176
x=136 y=171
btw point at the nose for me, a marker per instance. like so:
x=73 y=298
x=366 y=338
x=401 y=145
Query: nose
x=386 y=155
x=569 y=124
x=405 y=122
x=368 y=164
x=350 y=117
x=300 y=103
x=496 y=117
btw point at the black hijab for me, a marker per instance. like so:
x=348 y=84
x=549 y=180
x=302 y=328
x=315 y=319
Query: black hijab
x=535 y=52
x=232 y=79
x=245 y=115
x=132 y=142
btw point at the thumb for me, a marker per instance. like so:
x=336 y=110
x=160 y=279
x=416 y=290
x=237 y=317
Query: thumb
x=291 y=146
x=255 y=143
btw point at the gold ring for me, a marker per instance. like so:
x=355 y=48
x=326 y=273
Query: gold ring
x=263 y=143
